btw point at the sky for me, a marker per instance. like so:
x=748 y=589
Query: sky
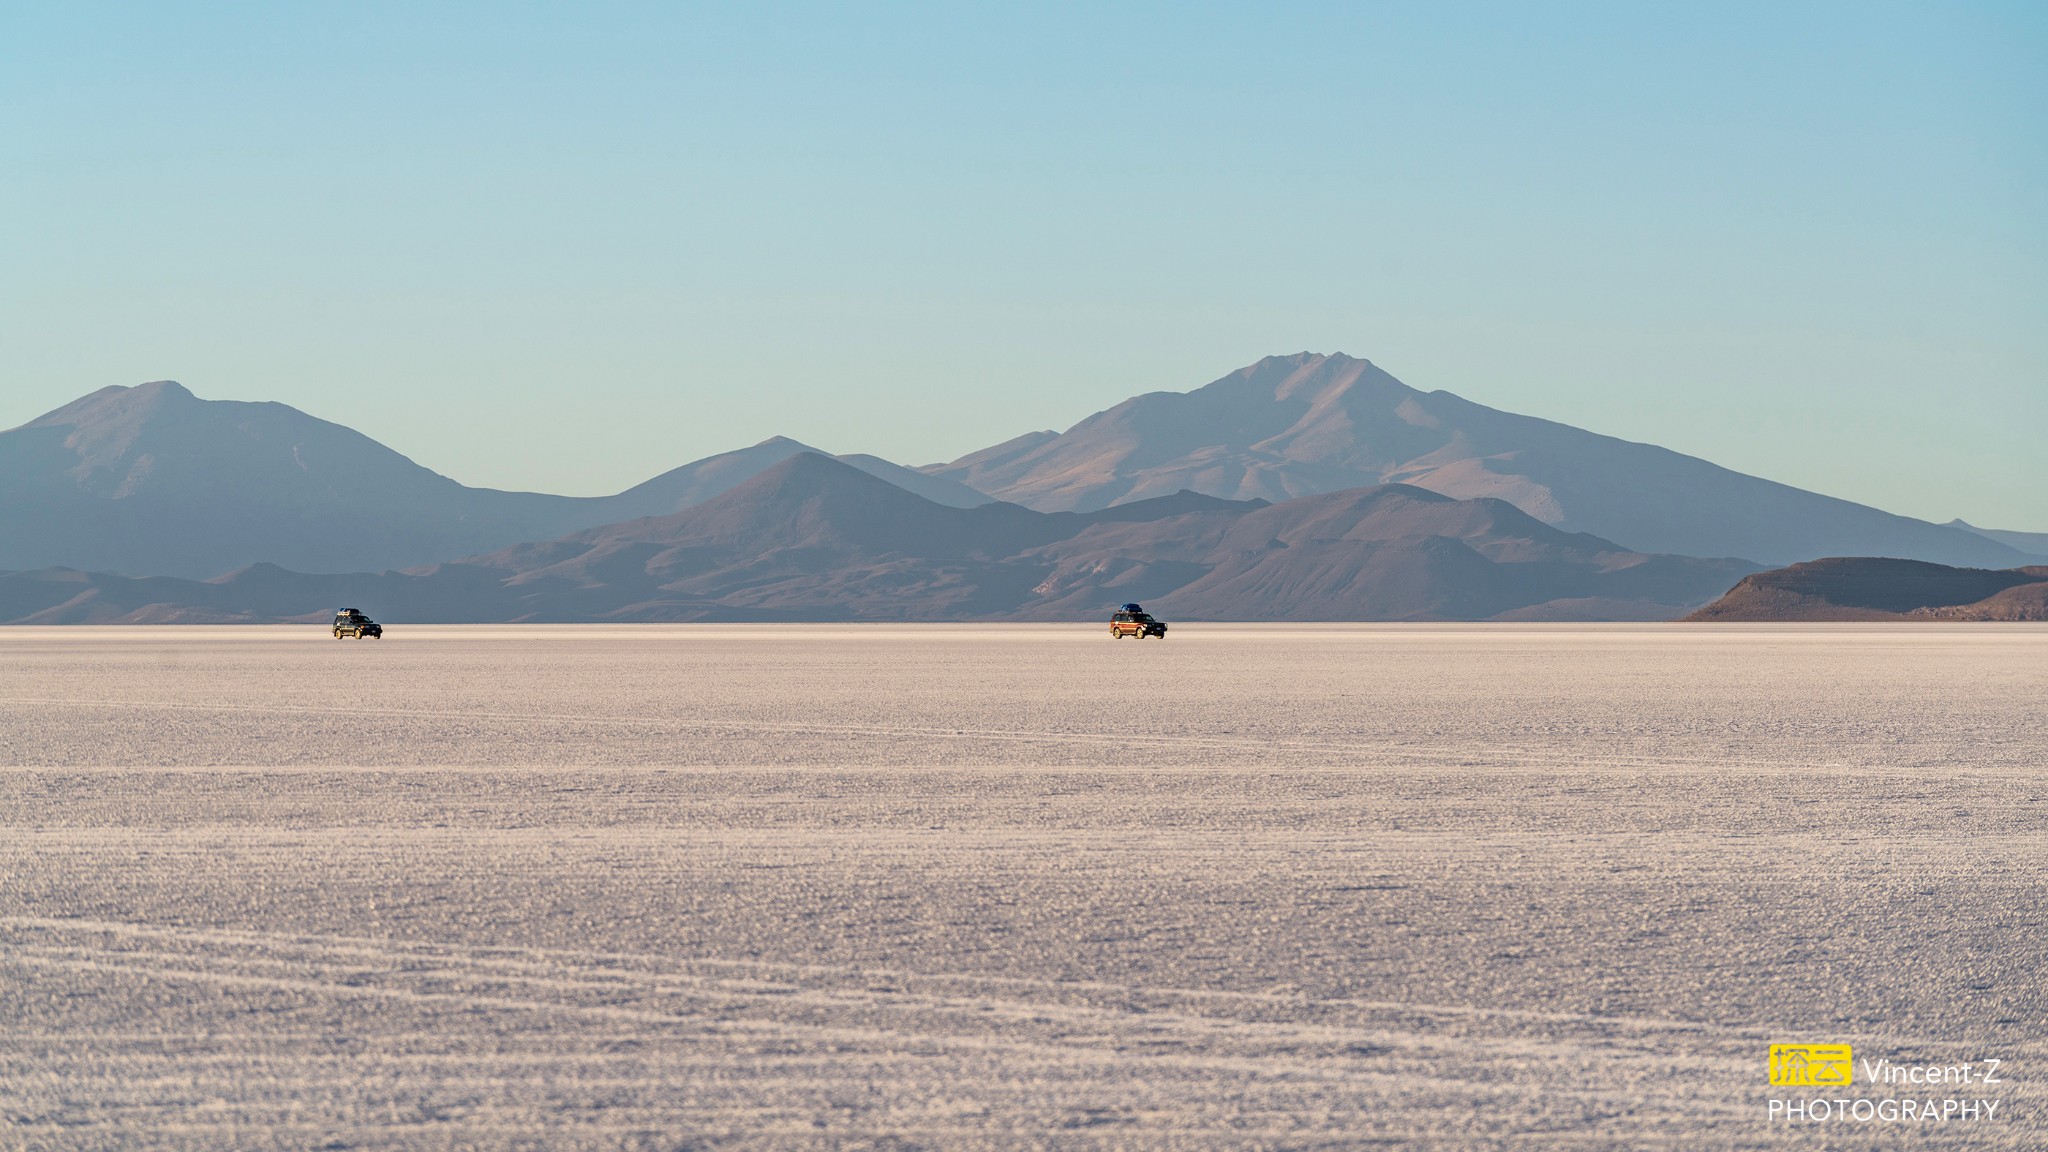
x=567 y=247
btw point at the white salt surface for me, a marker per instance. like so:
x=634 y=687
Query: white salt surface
x=957 y=887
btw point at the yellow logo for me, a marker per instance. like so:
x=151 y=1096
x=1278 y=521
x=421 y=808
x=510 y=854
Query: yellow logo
x=1809 y=1064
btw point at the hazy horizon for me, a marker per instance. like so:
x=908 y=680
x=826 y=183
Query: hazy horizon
x=567 y=251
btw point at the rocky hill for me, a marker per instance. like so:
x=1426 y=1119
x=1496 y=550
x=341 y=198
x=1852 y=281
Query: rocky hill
x=1871 y=588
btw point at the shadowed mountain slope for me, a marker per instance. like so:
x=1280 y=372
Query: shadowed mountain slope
x=1870 y=588
x=1299 y=425
x=812 y=538
x=819 y=538
x=1396 y=552
x=154 y=480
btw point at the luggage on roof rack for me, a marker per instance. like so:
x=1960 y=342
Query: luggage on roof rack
x=352 y=622
x=1131 y=620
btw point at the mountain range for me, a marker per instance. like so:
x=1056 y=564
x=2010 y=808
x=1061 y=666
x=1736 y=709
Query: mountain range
x=1303 y=424
x=1299 y=487
x=152 y=480
x=814 y=538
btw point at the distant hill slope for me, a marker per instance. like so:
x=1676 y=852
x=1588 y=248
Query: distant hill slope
x=1299 y=425
x=2033 y=543
x=1870 y=588
x=154 y=480
x=700 y=480
x=812 y=538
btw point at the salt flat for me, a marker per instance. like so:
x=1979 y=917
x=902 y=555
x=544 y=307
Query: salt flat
x=955 y=887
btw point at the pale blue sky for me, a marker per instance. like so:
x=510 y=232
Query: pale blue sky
x=566 y=247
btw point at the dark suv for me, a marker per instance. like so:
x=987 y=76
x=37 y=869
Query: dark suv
x=352 y=622
x=1133 y=620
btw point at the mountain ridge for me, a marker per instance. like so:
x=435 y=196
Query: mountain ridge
x=1306 y=423
x=2034 y=544
x=813 y=538
x=153 y=480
